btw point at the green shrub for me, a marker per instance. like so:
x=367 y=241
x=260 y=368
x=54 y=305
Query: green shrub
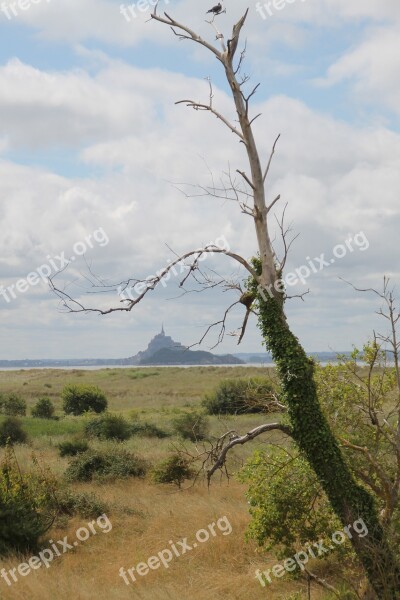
x=147 y=430
x=78 y=399
x=191 y=426
x=238 y=396
x=73 y=447
x=44 y=409
x=109 y=427
x=174 y=469
x=11 y=432
x=26 y=509
x=100 y=464
x=142 y=374
x=83 y=504
x=12 y=405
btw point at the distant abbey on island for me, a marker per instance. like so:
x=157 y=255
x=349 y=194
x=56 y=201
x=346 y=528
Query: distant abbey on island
x=163 y=350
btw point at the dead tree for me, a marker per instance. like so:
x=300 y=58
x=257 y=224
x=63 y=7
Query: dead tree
x=308 y=426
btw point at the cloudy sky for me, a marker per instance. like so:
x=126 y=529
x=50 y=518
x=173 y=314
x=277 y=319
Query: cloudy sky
x=92 y=144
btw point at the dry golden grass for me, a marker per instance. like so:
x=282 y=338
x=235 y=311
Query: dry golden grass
x=146 y=516
x=221 y=568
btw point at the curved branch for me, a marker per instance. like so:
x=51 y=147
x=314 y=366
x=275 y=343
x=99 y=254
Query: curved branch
x=240 y=440
x=191 y=35
x=199 y=106
x=150 y=283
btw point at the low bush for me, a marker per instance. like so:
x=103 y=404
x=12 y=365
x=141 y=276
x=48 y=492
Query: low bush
x=72 y=447
x=174 y=469
x=191 y=426
x=12 y=405
x=239 y=396
x=78 y=399
x=26 y=506
x=110 y=464
x=11 y=432
x=83 y=504
x=109 y=427
x=43 y=409
x=148 y=430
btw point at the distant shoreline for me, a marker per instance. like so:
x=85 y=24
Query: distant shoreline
x=99 y=367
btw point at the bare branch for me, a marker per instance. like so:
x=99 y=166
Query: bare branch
x=233 y=42
x=199 y=106
x=323 y=583
x=247 y=180
x=240 y=440
x=150 y=283
x=273 y=202
x=241 y=59
x=270 y=158
x=191 y=35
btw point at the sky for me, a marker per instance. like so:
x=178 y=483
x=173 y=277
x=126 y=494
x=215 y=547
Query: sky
x=99 y=166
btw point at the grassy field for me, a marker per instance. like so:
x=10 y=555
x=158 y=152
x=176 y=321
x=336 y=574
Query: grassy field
x=145 y=516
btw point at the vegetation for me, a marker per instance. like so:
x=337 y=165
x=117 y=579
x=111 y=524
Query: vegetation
x=73 y=447
x=109 y=427
x=26 y=506
x=105 y=464
x=239 y=396
x=271 y=500
x=84 y=504
x=146 y=429
x=78 y=399
x=174 y=469
x=44 y=409
x=12 y=405
x=191 y=426
x=11 y=432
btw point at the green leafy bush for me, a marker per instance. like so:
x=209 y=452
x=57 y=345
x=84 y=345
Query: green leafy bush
x=44 y=409
x=174 y=469
x=191 y=426
x=148 y=430
x=287 y=504
x=109 y=427
x=78 y=399
x=100 y=464
x=12 y=405
x=73 y=447
x=11 y=432
x=239 y=396
x=26 y=506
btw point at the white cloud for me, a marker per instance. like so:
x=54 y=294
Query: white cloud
x=337 y=178
x=372 y=69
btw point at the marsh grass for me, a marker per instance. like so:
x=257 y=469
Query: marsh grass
x=145 y=516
